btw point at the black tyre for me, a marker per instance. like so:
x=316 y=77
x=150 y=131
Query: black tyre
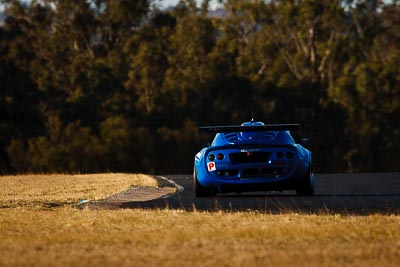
x=307 y=186
x=201 y=191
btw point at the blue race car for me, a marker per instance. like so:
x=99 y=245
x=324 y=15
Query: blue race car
x=253 y=157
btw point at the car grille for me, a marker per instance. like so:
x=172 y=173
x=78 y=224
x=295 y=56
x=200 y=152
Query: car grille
x=231 y=172
x=251 y=172
x=249 y=157
x=260 y=172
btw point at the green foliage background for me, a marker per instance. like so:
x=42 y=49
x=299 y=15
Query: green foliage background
x=96 y=85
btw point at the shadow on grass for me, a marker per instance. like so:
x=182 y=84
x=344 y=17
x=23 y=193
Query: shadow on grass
x=337 y=194
x=34 y=205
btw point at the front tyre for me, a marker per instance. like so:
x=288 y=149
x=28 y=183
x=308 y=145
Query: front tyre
x=201 y=191
x=307 y=186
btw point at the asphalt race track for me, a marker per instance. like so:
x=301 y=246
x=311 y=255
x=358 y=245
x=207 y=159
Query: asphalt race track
x=363 y=193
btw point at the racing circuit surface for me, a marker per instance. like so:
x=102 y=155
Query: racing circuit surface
x=362 y=193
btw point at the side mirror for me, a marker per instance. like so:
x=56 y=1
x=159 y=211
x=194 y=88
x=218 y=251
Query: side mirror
x=304 y=141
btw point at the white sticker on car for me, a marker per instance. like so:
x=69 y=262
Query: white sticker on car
x=211 y=166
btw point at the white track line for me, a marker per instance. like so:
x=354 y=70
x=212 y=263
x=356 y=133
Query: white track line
x=178 y=187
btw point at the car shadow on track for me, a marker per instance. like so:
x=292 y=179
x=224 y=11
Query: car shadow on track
x=363 y=204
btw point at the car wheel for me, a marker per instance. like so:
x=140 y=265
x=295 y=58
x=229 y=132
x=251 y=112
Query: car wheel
x=307 y=186
x=201 y=191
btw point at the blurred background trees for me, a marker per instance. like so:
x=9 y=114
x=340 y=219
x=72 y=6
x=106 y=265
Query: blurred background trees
x=93 y=86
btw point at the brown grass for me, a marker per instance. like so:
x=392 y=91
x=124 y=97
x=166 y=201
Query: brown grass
x=60 y=189
x=64 y=236
x=69 y=237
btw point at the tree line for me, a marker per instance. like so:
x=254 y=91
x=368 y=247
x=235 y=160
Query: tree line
x=97 y=85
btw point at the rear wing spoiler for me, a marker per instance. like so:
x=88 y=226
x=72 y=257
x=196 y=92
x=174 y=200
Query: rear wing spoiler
x=255 y=128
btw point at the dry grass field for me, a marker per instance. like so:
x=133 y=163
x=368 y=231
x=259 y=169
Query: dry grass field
x=61 y=189
x=37 y=235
